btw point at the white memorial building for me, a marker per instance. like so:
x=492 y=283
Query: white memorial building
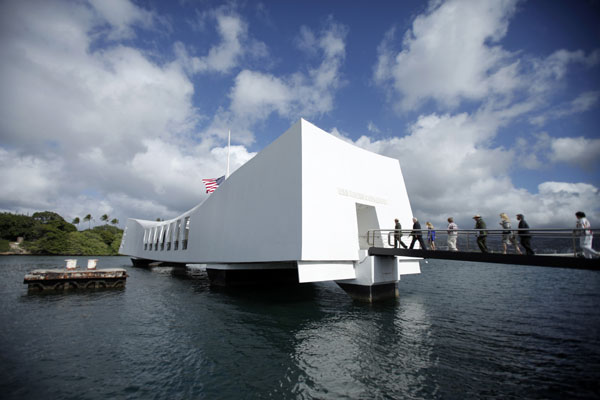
x=299 y=211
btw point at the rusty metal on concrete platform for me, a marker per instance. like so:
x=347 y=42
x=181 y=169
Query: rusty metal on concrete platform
x=59 y=279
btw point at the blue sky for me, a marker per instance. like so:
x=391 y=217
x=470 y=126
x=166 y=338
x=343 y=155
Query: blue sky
x=122 y=107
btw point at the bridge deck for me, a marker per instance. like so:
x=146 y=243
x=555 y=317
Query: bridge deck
x=544 y=261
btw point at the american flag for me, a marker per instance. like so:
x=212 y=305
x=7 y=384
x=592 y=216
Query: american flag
x=213 y=183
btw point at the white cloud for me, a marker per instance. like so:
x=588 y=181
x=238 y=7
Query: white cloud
x=448 y=54
x=234 y=46
x=133 y=206
x=55 y=88
x=28 y=181
x=175 y=174
x=109 y=130
x=258 y=94
x=452 y=163
x=371 y=127
x=452 y=54
x=577 y=151
x=583 y=102
x=96 y=131
x=527 y=155
x=555 y=65
x=255 y=95
x=451 y=169
x=557 y=202
x=443 y=154
x=121 y=15
x=306 y=40
x=545 y=149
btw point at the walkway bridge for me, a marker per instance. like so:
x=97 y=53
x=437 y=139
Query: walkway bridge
x=552 y=247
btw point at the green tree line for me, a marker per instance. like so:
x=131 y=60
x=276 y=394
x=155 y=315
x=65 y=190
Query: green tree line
x=48 y=233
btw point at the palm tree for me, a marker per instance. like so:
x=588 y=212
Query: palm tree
x=88 y=218
x=76 y=221
x=104 y=218
x=115 y=222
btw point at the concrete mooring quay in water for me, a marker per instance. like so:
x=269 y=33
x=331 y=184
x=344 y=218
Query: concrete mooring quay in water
x=71 y=277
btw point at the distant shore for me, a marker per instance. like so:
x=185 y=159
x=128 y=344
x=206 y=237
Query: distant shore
x=48 y=233
x=15 y=250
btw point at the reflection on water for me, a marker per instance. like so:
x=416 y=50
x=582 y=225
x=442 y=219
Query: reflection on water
x=458 y=330
x=369 y=351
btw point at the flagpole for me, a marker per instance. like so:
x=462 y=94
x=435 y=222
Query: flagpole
x=228 y=151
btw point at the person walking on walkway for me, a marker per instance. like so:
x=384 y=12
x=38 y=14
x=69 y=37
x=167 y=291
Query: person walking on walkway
x=585 y=235
x=417 y=235
x=481 y=234
x=508 y=237
x=430 y=235
x=452 y=234
x=524 y=235
x=398 y=234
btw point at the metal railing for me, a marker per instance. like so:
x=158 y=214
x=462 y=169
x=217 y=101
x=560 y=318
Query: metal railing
x=543 y=241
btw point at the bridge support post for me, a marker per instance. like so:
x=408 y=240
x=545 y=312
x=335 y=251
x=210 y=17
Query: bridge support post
x=372 y=293
x=376 y=279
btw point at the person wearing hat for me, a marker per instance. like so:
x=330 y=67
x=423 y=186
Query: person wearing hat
x=524 y=236
x=481 y=234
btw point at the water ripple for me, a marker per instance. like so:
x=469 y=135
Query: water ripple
x=458 y=330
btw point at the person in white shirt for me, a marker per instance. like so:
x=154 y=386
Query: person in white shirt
x=585 y=235
x=452 y=234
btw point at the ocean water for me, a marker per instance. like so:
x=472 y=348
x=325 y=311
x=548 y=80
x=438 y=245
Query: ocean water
x=458 y=331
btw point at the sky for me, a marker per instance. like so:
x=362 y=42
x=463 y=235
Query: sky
x=121 y=107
